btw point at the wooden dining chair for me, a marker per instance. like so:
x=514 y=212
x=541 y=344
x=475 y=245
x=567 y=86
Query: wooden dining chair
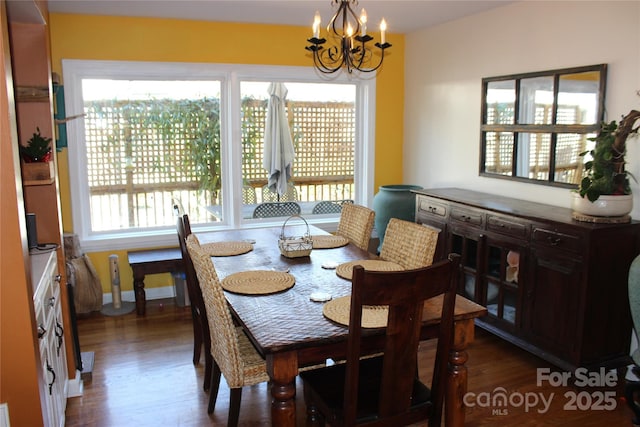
x=233 y=354
x=409 y=244
x=356 y=224
x=386 y=390
x=201 y=336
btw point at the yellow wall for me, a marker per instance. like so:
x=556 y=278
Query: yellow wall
x=146 y=39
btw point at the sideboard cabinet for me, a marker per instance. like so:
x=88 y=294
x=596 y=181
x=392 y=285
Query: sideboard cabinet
x=552 y=285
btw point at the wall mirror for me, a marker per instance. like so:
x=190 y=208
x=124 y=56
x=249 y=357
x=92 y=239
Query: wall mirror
x=535 y=125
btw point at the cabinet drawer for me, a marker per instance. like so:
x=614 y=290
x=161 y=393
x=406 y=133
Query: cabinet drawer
x=556 y=239
x=466 y=216
x=430 y=207
x=506 y=226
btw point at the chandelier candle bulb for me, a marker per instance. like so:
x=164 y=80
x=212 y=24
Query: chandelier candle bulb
x=383 y=30
x=363 y=23
x=316 y=25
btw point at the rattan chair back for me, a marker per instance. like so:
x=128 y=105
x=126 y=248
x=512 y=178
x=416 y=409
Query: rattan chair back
x=409 y=244
x=356 y=224
x=236 y=363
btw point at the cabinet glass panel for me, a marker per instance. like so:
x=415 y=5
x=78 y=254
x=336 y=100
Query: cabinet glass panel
x=470 y=286
x=501 y=292
x=468 y=250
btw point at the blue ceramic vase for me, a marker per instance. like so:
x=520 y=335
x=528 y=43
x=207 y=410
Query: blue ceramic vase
x=393 y=201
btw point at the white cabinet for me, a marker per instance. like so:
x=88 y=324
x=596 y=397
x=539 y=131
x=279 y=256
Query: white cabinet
x=48 y=311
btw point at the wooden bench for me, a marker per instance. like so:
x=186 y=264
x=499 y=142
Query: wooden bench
x=153 y=261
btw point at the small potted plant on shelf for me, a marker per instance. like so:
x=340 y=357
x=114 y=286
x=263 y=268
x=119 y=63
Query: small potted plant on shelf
x=38 y=148
x=36 y=156
x=604 y=190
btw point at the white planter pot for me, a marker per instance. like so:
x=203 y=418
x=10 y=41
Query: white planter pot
x=603 y=206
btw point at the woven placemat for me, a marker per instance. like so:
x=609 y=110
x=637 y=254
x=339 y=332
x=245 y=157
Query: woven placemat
x=373 y=316
x=227 y=248
x=258 y=282
x=346 y=270
x=328 y=241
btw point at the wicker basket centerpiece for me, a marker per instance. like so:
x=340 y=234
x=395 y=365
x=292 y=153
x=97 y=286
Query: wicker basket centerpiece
x=295 y=246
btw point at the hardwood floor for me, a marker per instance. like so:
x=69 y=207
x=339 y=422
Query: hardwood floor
x=143 y=376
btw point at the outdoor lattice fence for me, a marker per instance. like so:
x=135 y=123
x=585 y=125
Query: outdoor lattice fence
x=500 y=145
x=144 y=157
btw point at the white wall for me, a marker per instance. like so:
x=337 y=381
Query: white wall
x=445 y=65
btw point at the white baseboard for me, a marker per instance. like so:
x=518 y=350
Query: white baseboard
x=152 y=293
x=76 y=386
x=4 y=415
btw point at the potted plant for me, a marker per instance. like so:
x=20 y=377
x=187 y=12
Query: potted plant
x=38 y=148
x=36 y=156
x=604 y=189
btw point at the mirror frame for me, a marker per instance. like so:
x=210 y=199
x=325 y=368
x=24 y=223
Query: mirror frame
x=553 y=129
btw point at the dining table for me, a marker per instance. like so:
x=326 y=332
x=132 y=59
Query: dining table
x=289 y=329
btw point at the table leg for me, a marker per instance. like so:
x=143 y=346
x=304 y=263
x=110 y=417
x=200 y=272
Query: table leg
x=457 y=377
x=138 y=290
x=283 y=369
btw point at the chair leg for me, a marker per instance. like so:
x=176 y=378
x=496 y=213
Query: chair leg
x=234 y=406
x=208 y=364
x=213 y=388
x=197 y=336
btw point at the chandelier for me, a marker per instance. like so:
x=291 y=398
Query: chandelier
x=348 y=38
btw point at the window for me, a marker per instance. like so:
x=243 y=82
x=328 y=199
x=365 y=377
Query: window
x=535 y=125
x=157 y=136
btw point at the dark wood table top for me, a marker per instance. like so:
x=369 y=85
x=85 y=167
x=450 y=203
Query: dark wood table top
x=289 y=320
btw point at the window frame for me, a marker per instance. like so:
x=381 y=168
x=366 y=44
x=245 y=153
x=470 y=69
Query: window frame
x=553 y=129
x=230 y=76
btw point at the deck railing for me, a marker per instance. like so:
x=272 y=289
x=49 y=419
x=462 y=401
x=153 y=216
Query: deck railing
x=138 y=167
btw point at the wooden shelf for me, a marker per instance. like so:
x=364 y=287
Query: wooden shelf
x=34 y=183
x=32 y=94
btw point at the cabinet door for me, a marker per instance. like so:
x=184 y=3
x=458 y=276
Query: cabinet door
x=553 y=297
x=501 y=283
x=467 y=244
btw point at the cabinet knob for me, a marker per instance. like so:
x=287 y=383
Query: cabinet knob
x=41 y=331
x=58 y=278
x=52 y=301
